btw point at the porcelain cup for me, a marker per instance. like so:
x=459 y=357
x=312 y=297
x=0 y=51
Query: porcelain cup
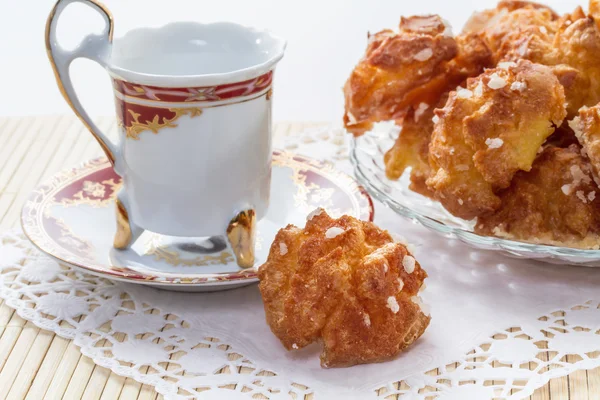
x=193 y=104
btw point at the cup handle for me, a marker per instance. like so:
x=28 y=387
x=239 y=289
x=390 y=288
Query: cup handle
x=93 y=47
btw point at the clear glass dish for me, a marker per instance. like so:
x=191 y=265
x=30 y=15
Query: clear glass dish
x=366 y=155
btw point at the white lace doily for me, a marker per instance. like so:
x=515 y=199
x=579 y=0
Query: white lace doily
x=500 y=327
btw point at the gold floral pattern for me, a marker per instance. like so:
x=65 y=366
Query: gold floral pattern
x=93 y=194
x=157 y=123
x=309 y=195
x=173 y=257
x=94 y=189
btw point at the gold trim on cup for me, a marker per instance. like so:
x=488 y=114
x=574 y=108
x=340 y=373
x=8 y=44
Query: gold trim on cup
x=166 y=104
x=61 y=87
x=134 y=130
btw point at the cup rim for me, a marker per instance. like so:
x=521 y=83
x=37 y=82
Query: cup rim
x=198 y=80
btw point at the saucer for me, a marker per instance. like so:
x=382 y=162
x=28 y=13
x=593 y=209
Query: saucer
x=71 y=217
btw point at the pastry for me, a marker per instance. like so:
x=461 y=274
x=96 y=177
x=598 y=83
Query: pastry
x=413 y=66
x=554 y=203
x=488 y=131
x=586 y=127
x=345 y=283
x=515 y=91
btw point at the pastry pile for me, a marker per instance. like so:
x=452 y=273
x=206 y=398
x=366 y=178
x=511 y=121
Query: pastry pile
x=500 y=123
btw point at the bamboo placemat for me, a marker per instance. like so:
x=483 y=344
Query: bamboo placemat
x=36 y=364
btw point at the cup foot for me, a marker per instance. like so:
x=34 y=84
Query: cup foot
x=127 y=233
x=241 y=234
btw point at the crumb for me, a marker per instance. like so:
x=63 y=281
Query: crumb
x=507 y=64
x=314 y=213
x=392 y=304
x=334 y=231
x=479 y=89
x=367 y=319
x=420 y=110
x=464 y=93
x=519 y=86
x=408 y=262
x=579 y=176
x=423 y=55
x=496 y=82
x=283 y=249
x=495 y=143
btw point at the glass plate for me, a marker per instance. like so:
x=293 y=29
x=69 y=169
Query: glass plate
x=366 y=155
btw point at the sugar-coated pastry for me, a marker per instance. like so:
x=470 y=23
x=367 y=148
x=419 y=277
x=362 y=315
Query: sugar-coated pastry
x=401 y=69
x=411 y=148
x=488 y=131
x=569 y=44
x=345 y=283
x=557 y=202
x=518 y=88
x=576 y=56
x=520 y=28
x=587 y=131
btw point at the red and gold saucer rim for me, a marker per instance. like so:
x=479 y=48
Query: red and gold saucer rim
x=34 y=229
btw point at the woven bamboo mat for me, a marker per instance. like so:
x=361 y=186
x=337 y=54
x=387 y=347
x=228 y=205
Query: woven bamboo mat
x=36 y=364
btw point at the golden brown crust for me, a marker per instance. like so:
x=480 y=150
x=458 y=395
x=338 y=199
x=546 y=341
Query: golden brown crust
x=489 y=131
x=473 y=56
x=480 y=143
x=587 y=131
x=416 y=65
x=594 y=9
x=553 y=203
x=396 y=69
x=481 y=21
x=342 y=290
x=411 y=148
x=515 y=29
x=570 y=44
x=577 y=45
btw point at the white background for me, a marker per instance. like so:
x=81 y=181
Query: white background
x=325 y=40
